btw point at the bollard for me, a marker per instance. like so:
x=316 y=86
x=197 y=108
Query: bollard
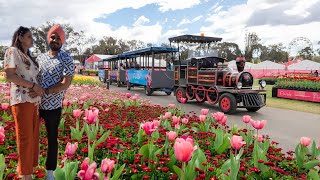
x=108 y=84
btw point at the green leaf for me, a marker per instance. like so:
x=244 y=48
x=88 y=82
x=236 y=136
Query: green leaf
x=134 y=177
x=200 y=158
x=74 y=169
x=172 y=161
x=177 y=170
x=314 y=175
x=118 y=173
x=2 y=166
x=311 y=164
x=59 y=173
x=144 y=150
x=140 y=136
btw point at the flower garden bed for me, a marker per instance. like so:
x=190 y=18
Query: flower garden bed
x=125 y=137
x=305 y=90
x=90 y=72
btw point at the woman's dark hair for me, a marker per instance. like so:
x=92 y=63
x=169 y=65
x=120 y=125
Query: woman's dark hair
x=20 y=32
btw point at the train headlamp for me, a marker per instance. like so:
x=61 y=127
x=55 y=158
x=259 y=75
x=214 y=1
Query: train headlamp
x=263 y=84
x=239 y=85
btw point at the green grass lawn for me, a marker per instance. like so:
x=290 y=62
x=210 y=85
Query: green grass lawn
x=291 y=104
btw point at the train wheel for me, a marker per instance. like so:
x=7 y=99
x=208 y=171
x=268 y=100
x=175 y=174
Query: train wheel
x=118 y=83
x=212 y=96
x=129 y=86
x=201 y=94
x=227 y=103
x=190 y=93
x=168 y=93
x=180 y=93
x=149 y=91
x=253 y=109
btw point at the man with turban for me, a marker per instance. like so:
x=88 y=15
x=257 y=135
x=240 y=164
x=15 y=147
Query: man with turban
x=56 y=72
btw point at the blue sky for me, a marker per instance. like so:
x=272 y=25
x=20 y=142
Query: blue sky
x=168 y=20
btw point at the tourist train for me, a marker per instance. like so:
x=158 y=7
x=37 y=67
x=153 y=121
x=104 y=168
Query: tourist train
x=201 y=76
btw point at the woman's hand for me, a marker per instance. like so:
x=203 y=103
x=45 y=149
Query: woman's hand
x=37 y=90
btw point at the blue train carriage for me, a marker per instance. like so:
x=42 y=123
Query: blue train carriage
x=207 y=78
x=103 y=72
x=144 y=71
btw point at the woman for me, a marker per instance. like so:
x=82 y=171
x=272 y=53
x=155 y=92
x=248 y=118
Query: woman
x=22 y=72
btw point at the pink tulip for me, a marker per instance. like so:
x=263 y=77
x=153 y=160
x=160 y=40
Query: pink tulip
x=91 y=116
x=5 y=106
x=220 y=117
x=177 y=126
x=258 y=124
x=137 y=95
x=107 y=165
x=7 y=93
x=167 y=115
x=172 y=106
x=204 y=111
x=202 y=118
x=183 y=100
x=134 y=98
x=106 y=110
x=128 y=95
x=71 y=149
x=246 y=119
x=236 y=142
x=6 y=98
x=184 y=121
x=156 y=123
x=88 y=172
x=171 y=135
x=305 y=141
x=83 y=98
x=148 y=127
x=188 y=138
x=77 y=113
x=175 y=119
x=2 y=135
x=66 y=103
x=183 y=150
x=85 y=164
x=260 y=137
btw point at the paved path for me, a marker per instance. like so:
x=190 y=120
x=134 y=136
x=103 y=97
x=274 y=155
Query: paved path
x=283 y=126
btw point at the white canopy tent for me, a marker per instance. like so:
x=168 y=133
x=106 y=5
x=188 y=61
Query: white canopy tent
x=305 y=65
x=268 y=65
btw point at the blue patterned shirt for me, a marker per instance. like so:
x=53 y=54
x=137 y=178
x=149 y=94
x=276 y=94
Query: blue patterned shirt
x=52 y=72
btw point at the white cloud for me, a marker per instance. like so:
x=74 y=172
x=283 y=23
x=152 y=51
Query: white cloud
x=167 y=5
x=141 y=20
x=187 y=21
x=267 y=18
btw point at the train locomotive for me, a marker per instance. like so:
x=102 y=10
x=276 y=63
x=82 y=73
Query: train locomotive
x=210 y=79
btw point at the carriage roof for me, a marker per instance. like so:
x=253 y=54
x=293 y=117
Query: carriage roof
x=194 y=39
x=150 y=51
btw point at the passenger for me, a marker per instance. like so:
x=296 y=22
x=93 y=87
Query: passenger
x=316 y=73
x=137 y=67
x=122 y=66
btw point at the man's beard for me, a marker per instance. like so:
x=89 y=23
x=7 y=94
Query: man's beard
x=54 y=47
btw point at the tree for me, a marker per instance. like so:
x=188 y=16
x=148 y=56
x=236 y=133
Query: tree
x=2 y=51
x=228 y=50
x=306 y=53
x=78 y=42
x=252 y=43
x=134 y=45
x=276 y=53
